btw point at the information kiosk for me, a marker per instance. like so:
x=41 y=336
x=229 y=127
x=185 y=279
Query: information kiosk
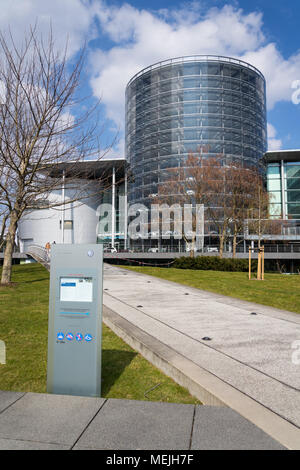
x=75 y=320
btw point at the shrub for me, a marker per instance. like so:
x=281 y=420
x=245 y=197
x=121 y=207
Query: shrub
x=214 y=263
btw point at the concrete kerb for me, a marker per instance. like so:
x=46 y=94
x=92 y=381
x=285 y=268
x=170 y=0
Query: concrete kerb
x=205 y=386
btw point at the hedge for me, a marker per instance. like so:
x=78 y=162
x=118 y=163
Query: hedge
x=214 y=263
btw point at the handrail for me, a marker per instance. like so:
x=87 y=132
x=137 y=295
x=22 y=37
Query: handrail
x=40 y=254
x=195 y=58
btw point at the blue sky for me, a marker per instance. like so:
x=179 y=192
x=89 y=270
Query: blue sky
x=124 y=37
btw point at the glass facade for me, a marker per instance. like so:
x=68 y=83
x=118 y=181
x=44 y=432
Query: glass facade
x=106 y=227
x=207 y=103
x=283 y=182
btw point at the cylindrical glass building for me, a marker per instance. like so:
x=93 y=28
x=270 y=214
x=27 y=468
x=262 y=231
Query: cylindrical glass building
x=179 y=105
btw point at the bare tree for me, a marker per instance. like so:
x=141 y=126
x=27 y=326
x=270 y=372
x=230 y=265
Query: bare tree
x=43 y=122
x=228 y=190
x=186 y=185
x=258 y=222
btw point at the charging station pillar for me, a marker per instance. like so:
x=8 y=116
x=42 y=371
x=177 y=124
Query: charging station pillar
x=75 y=320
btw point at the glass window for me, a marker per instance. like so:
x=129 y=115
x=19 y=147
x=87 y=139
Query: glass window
x=191 y=95
x=192 y=134
x=216 y=148
x=252 y=77
x=213 y=69
x=292 y=171
x=293 y=183
x=236 y=149
x=191 y=122
x=236 y=98
x=273 y=171
x=146 y=79
x=226 y=83
x=68 y=224
x=165 y=149
x=293 y=209
x=235 y=72
x=165 y=137
x=227 y=96
x=166 y=72
x=203 y=69
x=226 y=70
x=213 y=95
x=191 y=69
x=275 y=209
x=275 y=196
x=244 y=75
x=214 y=121
x=213 y=108
x=235 y=85
x=236 y=124
x=165 y=86
x=293 y=196
x=191 y=108
x=190 y=147
x=164 y=99
x=191 y=82
x=177 y=70
x=214 y=83
x=274 y=185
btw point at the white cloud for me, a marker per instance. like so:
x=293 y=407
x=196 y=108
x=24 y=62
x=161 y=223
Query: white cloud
x=280 y=73
x=136 y=38
x=72 y=19
x=142 y=38
x=273 y=142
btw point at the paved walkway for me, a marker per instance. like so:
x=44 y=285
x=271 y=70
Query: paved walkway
x=57 y=422
x=212 y=344
x=246 y=363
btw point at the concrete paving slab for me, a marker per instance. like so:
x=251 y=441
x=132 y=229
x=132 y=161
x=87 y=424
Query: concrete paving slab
x=13 y=444
x=57 y=422
x=250 y=353
x=224 y=429
x=8 y=398
x=136 y=425
x=51 y=419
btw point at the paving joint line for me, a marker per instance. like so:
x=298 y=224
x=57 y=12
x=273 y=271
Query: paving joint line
x=206 y=345
x=11 y=404
x=192 y=430
x=220 y=297
x=206 y=370
x=88 y=424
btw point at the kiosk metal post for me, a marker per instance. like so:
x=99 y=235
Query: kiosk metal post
x=75 y=320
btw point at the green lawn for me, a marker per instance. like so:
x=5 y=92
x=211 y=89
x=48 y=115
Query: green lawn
x=24 y=328
x=280 y=291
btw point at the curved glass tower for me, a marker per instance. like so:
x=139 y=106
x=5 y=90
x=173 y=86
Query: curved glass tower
x=179 y=105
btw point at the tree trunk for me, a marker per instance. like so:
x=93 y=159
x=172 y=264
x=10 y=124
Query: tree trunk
x=222 y=239
x=234 y=243
x=9 y=248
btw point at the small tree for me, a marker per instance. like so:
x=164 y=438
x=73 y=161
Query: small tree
x=258 y=220
x=186 y=185
x=43 y=122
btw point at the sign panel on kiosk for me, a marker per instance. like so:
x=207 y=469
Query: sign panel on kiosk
x=75 y=320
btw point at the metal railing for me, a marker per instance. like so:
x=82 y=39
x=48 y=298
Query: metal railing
x=195 y=58
x=40 y=254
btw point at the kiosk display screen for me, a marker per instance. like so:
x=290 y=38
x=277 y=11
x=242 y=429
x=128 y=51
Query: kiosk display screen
x=76 y=289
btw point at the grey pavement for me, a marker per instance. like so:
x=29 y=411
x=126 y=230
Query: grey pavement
x=31 y=421
x=251 y=354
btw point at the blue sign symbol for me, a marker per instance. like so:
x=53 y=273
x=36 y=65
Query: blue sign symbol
x=69 y=336
x=88 y=337
x=79 y=337
x=60 y=336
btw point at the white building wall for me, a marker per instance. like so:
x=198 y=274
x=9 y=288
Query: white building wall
x=45 y=225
